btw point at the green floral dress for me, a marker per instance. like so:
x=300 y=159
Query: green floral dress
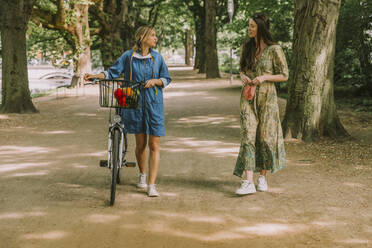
x=262 y=145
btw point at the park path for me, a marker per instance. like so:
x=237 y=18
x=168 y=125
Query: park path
x=53 y=194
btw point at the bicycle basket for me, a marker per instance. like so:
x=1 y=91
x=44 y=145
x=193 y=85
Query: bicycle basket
x=118 y=94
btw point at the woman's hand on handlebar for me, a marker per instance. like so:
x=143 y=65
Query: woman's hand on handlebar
x=153 y=82
x=88 y=76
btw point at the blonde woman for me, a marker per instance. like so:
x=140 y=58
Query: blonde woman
x=143 y=64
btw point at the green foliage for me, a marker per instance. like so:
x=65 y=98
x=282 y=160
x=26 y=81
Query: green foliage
x=173 y=20
x=281 y=20
x=50 y=44
x=281 y=25
x=224 y=60
x=96 y=59
x=47 y=5
x=354 y=47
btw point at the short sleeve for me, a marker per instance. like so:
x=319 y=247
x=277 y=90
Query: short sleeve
x=279 y=61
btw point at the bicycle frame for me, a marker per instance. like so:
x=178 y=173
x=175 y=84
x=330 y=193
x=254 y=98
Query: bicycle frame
x=110 y=97
x=120 y=126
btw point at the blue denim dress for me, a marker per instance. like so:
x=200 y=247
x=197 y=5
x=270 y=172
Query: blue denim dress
x=149 y=118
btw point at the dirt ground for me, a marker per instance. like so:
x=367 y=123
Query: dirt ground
x=54 y=194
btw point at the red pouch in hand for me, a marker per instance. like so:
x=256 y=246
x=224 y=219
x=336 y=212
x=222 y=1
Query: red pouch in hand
x=249 y=91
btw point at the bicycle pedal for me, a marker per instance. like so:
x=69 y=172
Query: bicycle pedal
x=103 y=163
x=130 y=164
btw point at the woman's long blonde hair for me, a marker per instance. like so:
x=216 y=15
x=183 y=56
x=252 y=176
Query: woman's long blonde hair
x=142 y=33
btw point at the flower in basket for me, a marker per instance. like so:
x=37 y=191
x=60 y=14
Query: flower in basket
x=122 y=101
x=121 y=95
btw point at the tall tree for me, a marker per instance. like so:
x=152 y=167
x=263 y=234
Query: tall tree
x=211 y=58
x=189 y=46
x=197 y=9
x=14 y=16
x=117 y=24
x=174 y=27
x=110 y=16
x=71 y=17
x=311 y=110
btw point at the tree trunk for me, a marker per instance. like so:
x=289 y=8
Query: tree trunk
x=200 y=40
x=211 y=58
x=189 y=47
x=112 y=17
x=16 y=97
x=111 y=48
x=128 y=35
x=197 y=50
x=82 y=62
x=311 y=111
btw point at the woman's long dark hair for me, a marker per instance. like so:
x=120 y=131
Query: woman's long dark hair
x=250 y=47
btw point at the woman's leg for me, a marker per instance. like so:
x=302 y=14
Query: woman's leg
x=141 y=141
x=154 y=160
x=248 y=175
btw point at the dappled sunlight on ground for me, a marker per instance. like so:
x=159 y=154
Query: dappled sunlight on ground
x=86 y=114
x=18 y=166
x=213 y=147
x=169 y=194
x=133 y=195
x=325 y=223
x=70 y=185
x=100 y=154
x=21 y=215
x=15 y=150
x=211 y=228
x=47 y=235
x=27 y=174
x=4 y=117
x=276 y=190
x=103 y=218
x=79 y=166
x=190 y=218
x=183 y=94
x=57 y=132
x=96 y=154
x=355 y=241
x=354 y=185
x=269 y=229
x=212 y=119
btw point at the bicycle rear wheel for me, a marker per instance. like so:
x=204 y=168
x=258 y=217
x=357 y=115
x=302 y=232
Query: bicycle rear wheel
x=114 y=163
x=124 y=153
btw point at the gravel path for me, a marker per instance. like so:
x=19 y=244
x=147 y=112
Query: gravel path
x=53 y=193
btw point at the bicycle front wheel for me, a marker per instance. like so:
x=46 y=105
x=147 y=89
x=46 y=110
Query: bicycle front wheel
x=114 y=163
x=124 y=153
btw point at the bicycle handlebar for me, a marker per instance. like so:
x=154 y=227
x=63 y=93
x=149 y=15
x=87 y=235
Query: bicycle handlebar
x=130 y=83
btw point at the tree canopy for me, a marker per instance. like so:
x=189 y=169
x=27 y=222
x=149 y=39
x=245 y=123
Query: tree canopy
x=66 y=32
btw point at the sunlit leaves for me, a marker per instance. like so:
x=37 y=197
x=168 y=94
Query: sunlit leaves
x=48 y=44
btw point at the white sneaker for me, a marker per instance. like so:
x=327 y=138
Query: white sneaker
x=262 y=183
x=142 y=181
x=151 y=191
x=246 y=188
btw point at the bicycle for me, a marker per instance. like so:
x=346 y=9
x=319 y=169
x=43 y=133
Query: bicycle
x=117 y=94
